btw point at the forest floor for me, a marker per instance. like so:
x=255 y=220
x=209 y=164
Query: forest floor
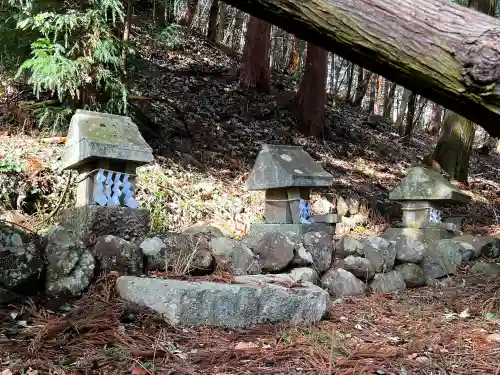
x=205 y=140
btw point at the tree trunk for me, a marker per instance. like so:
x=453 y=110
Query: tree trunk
x=373 y=93
x=332 y=78
x=212 y=21
x=363 y=83
x=187 y=19
x=254 y=69
x=422 y=103
x=293 y=59
x=349 y=83
x=454 y=146
x=379 y=100
x=410 y=118
x=402 y=110
x=239 y=18
x=311 y=96
x=389 y=99
x=435 y=124
x=433 y=47
x=126 y=34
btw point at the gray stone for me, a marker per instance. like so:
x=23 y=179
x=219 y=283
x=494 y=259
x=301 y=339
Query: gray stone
x=380 y=252
x=63 y=250
x=342 y=206
x=413 y=275
x=94 y=135
x=286 y=229
x=488 y=269
x=21 y=263
x=320 y=246
x=427 y=184
x=92 y=222
x=354 y=205
x=340 y=283
x=74 y=283
x=302 y=256
x=442 y=258
x=304 y=274
x=349 y=224
x=204 y=229
x=348 y=246
x=178 y=252
x=359 y=267
x=241 y=305
x=275 y=251
x=233 y=256
x=409 y=248
x=115 y=254
x=488 y=246
x=426 y=236
x=279 y=166
x=388 y=282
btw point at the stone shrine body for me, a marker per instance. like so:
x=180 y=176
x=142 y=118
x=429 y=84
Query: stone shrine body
x=287 y=174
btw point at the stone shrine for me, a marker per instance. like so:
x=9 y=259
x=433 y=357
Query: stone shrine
x=105 y=150
x=287 y=174
x=424 y=192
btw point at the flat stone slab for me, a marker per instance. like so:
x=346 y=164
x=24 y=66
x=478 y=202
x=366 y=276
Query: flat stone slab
x=95 y=135
x=426 y=184
x=242 y=305
x=285 y=229
x=279 y=166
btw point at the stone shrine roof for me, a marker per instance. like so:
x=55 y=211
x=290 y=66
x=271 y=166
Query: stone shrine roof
x=95 y=135
x=279 y=166
x=427 y=184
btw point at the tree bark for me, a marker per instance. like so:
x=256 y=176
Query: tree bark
x=212 y=21
x=126 y=34
x=187 y=19
x=254 y=69
x=238 y=27
x=410 y=118
x=363 y=83
x=402 y=110
x=311 y=96
x=379 y=99
x=293 y=59
x=435 y=124
x=389 y=100
x=373 y=93
x=349 y=83
x=433 y=47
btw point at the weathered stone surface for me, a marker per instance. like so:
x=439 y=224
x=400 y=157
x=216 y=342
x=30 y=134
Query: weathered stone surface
x=342 y=206
x=205 y=229
x=286 y=229
x=302 y=256
x=21 y=263
x=350 y=223
x=427 y=184
x=359 y=267
x=340 y=282
x=388 y=282
x=115 y=254
x=488 y=269
x=488 y=246
x=279 y=166
x=409 y=244
x=348 y=246
x=62 y=252
x=304 y=274
x=102 y=135
x=442 y=258
x=354 y=204
x=239 y=305
x=380 y=252
x=176 y=251
x=234 y=256
x=412 y=273
x=426 y=236
x=74 y=283
x=320 y=246
x=275 y=251
x=92 y=222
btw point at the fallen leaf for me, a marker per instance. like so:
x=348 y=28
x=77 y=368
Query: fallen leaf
x=246 y=346
x=493 y=337
x=421 y=359
x=138 y=371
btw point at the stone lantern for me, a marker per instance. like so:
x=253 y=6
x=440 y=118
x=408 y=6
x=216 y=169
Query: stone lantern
x=423 y=193
x=105 y=150
x=287 y=174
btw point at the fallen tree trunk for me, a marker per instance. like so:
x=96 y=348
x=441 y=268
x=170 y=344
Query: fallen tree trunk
x=445 y=52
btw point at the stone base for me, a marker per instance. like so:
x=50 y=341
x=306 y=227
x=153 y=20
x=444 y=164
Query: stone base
x=427 y=235
x=249 y=302
x=91 y=222
x=298 y=229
